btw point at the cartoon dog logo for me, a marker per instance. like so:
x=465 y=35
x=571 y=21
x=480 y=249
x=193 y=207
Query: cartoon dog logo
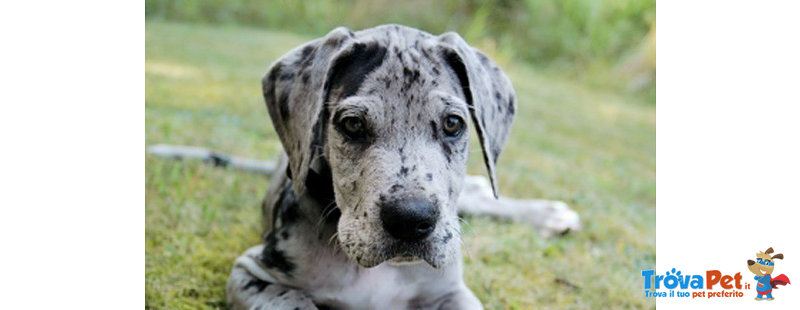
x=762 y=268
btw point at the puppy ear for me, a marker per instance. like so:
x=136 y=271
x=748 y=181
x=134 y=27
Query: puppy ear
x=770 y=250
x=294 y=91
x=488 y=93
x=778 y=256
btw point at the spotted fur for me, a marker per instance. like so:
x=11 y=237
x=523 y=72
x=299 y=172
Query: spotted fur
x=323 y=238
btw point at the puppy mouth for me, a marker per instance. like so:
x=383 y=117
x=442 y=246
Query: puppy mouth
x=400 y=254
x=404 y=260
x=411 y=253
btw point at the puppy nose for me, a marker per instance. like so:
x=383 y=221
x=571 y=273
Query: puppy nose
x=750 y=262
x=409 y=219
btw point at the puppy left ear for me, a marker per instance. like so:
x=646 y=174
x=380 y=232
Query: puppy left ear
x=295 y=89
x=488 y=93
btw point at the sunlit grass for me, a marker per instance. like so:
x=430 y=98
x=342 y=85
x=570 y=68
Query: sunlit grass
x=593 y=148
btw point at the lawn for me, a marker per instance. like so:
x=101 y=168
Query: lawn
x=591 y=147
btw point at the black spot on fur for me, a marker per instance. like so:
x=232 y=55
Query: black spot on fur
x=282 y=293
x=258 y=284
x=349 y=70
x=286 y=76
x=428 y=177
x=275 y=258
x=426 y=53
x=286 y=208
x=318 y=136
x=411 y=76
x=396 y=51
x=447 y=237
x=434 y=129
x=320 y=185
x=306 y=55
x=283 y=105
x=448 y=151
x=403 y=171
x=394 y=188
x=460 y=70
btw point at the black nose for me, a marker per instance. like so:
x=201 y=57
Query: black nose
x=409 y=219
x=750 y=262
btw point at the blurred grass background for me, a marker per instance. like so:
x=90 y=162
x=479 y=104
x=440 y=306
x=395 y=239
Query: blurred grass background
x=580 y=38
x=584 y=72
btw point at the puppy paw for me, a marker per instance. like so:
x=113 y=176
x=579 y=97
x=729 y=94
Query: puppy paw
x=550 y=218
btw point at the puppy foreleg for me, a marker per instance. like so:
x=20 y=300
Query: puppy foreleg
x=250 y=287
x=549 y=217
x=462 y=299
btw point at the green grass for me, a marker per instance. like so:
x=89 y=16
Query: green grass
x=591 y=147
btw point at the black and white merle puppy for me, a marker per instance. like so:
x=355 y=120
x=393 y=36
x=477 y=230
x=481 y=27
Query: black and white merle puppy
x=375 y=125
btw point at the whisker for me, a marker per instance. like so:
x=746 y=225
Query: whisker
x=332 y=239
x=327 y=211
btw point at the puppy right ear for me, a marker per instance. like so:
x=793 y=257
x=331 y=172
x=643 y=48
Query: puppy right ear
x=294 y=91
x=778 y=256
x=489 y=95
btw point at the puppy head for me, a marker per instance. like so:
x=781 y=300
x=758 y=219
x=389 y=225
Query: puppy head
x=383 y=115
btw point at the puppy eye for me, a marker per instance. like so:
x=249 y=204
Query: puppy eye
x=353 y=127
x=453 y=126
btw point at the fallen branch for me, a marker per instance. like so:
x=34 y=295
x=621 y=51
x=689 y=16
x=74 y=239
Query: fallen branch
x=215 y=158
